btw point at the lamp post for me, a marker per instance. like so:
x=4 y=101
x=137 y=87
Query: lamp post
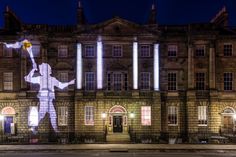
x=1 y=120
x=132 y=115
x=104 y=115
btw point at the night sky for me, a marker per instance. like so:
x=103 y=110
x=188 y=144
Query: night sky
x=169 y=11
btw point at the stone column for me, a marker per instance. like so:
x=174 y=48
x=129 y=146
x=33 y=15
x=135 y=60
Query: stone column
x=212 y=67
x=190 y=67
x=23 y=70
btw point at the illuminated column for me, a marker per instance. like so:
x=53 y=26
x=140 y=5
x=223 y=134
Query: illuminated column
x=156 y=67
x=135 y=65
x=99 y=63
x=79 y=66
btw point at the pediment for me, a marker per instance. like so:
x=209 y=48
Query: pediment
x=118 y=26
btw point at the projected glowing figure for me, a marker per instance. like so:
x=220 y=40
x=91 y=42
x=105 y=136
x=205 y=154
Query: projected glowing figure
x=46 y=82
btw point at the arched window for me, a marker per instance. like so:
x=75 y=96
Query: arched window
x=8 y=111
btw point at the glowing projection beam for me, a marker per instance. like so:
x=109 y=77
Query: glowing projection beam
x=79 y=66
x=135 y=65
x=156 y=67
x=99 y=64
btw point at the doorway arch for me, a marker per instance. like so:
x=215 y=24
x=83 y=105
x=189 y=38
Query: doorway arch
x=228 y=120
x=8 y=123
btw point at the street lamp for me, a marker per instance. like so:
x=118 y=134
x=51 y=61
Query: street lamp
x=103 y=115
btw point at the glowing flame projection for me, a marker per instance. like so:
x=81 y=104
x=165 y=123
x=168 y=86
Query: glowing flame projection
x=47 y=83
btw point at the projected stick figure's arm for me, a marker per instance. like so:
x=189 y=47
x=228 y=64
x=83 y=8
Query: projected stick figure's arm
x=64 y=84
x=31 y=79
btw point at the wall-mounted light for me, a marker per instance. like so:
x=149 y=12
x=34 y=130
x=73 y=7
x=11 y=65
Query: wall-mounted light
x=103 y=115
x=132 y=115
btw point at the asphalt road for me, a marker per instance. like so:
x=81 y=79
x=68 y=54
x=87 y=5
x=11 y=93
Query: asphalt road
x=116 y=154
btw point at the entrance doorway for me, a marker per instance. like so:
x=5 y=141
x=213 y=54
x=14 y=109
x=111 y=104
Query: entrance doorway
x=8 y=124
x=117 y=124
x=228 y=124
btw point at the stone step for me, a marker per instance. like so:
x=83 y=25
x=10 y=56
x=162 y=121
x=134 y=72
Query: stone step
x=118 y=138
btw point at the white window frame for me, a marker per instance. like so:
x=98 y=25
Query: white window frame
x=228 y=82
x=62 y=51
x=171 y=49
x=172 y=115
x=89 y=83
x=202 y=115
x=145 y=50
x=8 y=81
x=171 y=81
x=146 y=115
x=89 y=115
x=115 y=52
x=62 y=115
x=89 y=51
x=145 y=80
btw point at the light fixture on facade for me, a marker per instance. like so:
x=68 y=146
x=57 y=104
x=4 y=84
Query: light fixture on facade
x=234 y=116
x=132 y=115
x=104 y=115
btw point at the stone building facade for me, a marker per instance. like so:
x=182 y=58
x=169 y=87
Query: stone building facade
x=141 y=83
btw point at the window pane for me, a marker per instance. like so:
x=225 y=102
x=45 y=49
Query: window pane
x=200 y=51
x=228 y=81
x=62 y=115
x=172 y=81
x=89 y=51
x=62 y=51
x=145 y=51
x=200 y=81
x=89 y=118
x=228 y=49
x=89 y=81
x=117 y=81
x=202 y=115
x=172 y=50
x=146 y=115
x=172 y=115
x=8 y=81
x=145 y=81
x=117 y=51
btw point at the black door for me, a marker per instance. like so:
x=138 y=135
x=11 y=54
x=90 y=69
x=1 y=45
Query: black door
x=7 y=124
x=117 y=124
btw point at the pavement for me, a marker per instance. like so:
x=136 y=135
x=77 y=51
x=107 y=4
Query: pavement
x=119 y=147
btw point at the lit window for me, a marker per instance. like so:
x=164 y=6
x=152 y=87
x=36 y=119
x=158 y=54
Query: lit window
x=228 y=50
x=200 y=51
x=117 y=51
x=117 y=81
x=202 y=115
x=89 y=51
x=172 y=83
x=200 y=81
x=36 y=50
x=145 y=81
x=8 y=81
x=228 y=81
x=89 y=81
x=145 y=51
x=62 y=51
x=172 y=50
x=89 y=118
x=146 y=115
x=33 y=119
x=172 y=115
x=62 y=116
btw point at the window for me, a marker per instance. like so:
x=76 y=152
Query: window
x=146 y=115
x=7 y=52
x=145 y=81
x=89 y=51
x=172 y=115
x=172 y=83
x=126 y=81
x=62 y=116
x=228 y=50
x=200 y=81
x=145 y=51
x=33 y=118
x=200 y=51
x=228 y=81
x=36 y=50
x=117 y=79
x=8 y=81
x=63 y=77
x=172 y=50
x=202 y=115
x=117 y=51
x=89 y=118
x=89 y=81
x=109 y=81
x=62 y=51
